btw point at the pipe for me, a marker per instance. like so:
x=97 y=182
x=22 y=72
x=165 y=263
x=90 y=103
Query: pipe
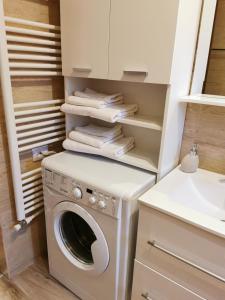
x=36 y=111
x=31 y=23
x=33 y=57
x=18 y=65
x=33 y=49
x=26 y=40
x=35 y=73
x=41 y=124
x=42 y=130
x=38 y=103
x=32 y=32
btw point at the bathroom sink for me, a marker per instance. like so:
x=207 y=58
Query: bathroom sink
x=198 y=198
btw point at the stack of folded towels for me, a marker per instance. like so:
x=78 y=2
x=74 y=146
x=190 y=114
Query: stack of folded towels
x=99 y=140
x=109 y=108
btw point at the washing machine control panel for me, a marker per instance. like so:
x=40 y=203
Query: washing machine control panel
x=82 y=194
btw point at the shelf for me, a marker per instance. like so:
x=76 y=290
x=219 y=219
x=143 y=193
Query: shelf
x=154 y=123
x=135 y=157
x=204 y=99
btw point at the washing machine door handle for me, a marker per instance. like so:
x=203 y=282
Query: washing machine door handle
x=100 y=256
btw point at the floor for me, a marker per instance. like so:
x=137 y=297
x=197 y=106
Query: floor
x=34 y=283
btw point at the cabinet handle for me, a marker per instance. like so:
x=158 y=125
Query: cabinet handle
x=146 y=296
x=135 y=72
x=157 y=246
x=82 y=69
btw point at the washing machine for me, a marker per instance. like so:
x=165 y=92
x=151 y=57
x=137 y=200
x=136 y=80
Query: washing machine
x=91 y=222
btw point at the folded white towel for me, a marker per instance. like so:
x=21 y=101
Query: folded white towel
x=113 y=150
x=109 y=114
x=89 y=93
x=91 y=102
x=91 y=140
x=100 y=131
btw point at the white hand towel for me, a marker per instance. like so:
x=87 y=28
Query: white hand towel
x=91 y=102
x=113 y=150
x=76 y=110
x=109 y=114
x=114 y=113
x=91 y=140
x=100 y=131
x=89 y=93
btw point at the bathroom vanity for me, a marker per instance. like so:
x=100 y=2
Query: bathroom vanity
x=181 y=238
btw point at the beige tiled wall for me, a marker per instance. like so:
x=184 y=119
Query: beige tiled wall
x=205 y=125
x=21 y=249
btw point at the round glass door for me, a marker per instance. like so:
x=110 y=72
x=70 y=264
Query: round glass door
x=77 y=236
x=80 y=238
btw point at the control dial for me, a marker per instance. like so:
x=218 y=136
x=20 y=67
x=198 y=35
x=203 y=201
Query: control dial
x=92 y=200
x=77 y=193
x=101 y=204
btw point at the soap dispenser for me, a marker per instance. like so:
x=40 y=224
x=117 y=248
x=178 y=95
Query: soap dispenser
x=190 y=162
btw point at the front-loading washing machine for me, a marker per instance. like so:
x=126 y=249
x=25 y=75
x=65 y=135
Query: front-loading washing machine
x=91 y=221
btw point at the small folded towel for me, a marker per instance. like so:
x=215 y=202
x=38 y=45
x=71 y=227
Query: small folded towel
x=91 y=102
x=113 y=150
x=91 y=140
x=101 y=131
x=109 y=114
x=89 y=93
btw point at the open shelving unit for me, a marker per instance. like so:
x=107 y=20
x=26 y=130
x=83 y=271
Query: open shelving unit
x=148 y=121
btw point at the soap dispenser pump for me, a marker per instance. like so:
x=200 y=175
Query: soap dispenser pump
x=190 y=162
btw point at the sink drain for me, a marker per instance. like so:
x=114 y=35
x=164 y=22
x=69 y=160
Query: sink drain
x=222 y=220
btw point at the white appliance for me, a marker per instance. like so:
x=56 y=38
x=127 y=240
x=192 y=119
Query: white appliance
x=91 y=220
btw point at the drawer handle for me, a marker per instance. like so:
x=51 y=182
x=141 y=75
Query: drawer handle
x=82 y=69
x=136 y=72
x=157 y=246
x=146 y=296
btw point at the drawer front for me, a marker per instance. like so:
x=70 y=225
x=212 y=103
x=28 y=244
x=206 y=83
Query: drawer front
x=184 y=241
x=151 y=285
x=189 y=277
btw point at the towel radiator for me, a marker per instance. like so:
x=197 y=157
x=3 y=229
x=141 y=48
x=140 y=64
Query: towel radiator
x=26 y=52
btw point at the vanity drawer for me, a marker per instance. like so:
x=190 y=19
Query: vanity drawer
x=189 y=277
x=151 y=285
x=186 y=242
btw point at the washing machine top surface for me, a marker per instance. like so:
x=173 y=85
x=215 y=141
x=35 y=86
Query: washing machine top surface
x=110 y=176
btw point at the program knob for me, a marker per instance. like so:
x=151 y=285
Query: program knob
x=77 y=193
x=92 y=200
x=101 y=204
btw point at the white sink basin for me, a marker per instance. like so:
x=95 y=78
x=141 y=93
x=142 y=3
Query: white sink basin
x=198 y=198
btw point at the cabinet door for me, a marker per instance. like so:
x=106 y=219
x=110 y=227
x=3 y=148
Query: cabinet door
x=142 y=35
x=85 y=37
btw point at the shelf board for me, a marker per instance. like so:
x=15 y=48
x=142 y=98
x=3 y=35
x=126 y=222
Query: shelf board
x=135 y=157
x=154 y=123
x=204 y=99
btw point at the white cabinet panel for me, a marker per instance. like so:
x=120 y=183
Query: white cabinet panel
x=85 y=37
x=142 y=37
x=151 y=285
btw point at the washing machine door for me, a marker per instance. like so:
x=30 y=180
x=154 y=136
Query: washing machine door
x=80 y=238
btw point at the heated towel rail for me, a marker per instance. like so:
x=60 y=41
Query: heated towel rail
x=29 y=49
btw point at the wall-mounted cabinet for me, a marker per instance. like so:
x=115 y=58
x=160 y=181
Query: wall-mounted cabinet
x=85 y=37
x=122 y=40
x=142 y=39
